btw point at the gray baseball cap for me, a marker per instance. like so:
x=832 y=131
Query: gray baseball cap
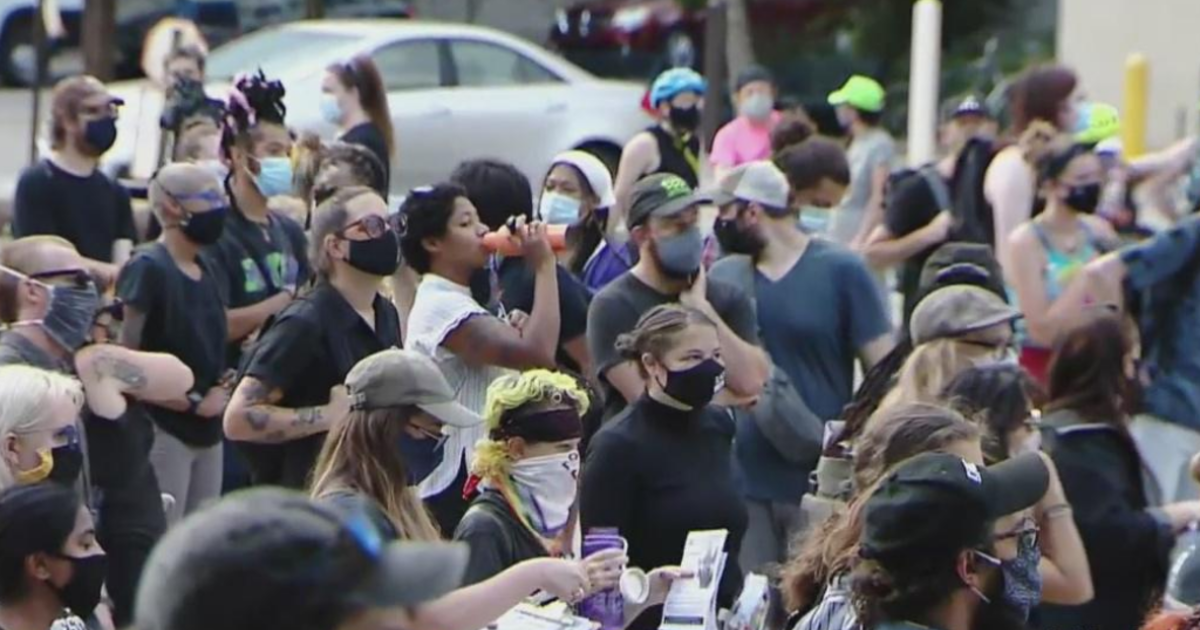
x=661 y=195
x=722 y=195
x=269 y=558
x=397 y=378
x=958 y=310
x=763 y=183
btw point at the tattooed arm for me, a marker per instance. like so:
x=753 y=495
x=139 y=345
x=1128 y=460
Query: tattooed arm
x=252 y=414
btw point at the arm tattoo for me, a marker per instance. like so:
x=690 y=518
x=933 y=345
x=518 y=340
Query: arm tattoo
x=258 y=418
x=133 y=376
x=307 y=417
x=256 y=392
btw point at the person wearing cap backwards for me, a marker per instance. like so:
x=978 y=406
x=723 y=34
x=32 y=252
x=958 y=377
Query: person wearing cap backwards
x=578 y=192
x=173 y=304
x=271 y=559
x=923 y=209
x=662 y=221
x=872 y=150
x=671 y=145
x=952 y=329
x=65 y=194
x=747 y=138
x=977 y=569
x=840 y=320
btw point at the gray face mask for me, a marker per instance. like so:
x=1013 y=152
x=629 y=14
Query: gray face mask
x=679 y=256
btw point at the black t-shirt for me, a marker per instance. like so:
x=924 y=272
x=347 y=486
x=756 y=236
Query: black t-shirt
x=911 y=207
x=369 y=136
x=517 y=288
x=92 y=212
x=656 y=474
x=248 y=250
x=184 y=318
x=497 y=539
x=308 y=349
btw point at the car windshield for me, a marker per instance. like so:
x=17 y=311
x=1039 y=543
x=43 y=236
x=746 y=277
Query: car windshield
x=275 y=51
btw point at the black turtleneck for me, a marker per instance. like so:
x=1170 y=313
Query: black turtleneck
x=656 y=473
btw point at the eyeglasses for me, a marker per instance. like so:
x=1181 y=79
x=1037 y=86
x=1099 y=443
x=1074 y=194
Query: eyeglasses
x=375 y=226
x=77 y=278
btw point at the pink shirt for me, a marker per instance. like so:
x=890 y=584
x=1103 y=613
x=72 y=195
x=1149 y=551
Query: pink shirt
x=743 y=141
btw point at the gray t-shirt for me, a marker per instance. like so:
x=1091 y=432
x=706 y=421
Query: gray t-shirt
x=616 y=309
x=867 y=152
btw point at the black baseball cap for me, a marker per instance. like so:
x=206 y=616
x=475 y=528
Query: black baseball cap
x=969 y=105
x=937 y=501
x=661 y=195
x=750 y=74
x=264 y=558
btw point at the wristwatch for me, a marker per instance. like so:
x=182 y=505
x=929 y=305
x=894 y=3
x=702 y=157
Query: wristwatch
x=194 y=399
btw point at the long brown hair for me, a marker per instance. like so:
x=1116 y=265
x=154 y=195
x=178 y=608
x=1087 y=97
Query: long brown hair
x=1039 y=94
x=1087 y=370
x=360 y=455
x=904 y=431
x=361 y=74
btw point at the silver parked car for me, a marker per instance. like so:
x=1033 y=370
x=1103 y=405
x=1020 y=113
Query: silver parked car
x=455 y=91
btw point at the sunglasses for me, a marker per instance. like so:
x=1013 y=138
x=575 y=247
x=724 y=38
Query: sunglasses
x=374 y=226
x=77 y=278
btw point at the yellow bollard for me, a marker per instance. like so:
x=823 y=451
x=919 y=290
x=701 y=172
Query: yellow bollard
x=1133 y=114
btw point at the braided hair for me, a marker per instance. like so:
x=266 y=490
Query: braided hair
x=254 y=100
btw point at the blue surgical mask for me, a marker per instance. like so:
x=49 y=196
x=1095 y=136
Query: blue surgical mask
x=557 y=209
x=331 y=111
x=421 y=456
x=274 y=176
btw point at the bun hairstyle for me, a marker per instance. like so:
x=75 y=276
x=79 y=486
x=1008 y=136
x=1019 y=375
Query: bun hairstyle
x=656 y=332
x=253 y=100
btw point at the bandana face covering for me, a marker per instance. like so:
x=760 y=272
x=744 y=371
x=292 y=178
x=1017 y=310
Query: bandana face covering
x=547 y=486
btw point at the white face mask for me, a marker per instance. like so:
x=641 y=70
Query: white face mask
x=757 y=107
x=558 y=209
x=547 y=485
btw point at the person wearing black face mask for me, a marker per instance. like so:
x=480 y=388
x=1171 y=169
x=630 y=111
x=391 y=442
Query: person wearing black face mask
x=65 y=194
x=976 y=571
x=390 y=442
x=173 y=305
x=672 y=145
x=661 y=468
x=1048 y=250
x=663 y=222
x=290 y=390
x=51 y=566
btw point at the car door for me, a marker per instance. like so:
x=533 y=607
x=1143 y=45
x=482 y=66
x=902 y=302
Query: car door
x=413 y=73
x=506 y=106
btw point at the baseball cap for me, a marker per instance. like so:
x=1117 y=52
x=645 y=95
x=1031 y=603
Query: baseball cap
x=395 y=378
x=860 y=92
x=763 y=183
x=750 y=74
x=265 y=558
x=1097 y=122
x=722 y=194
x=958 y=310
x=941 y=501
x=969 y=105
x=661 y=195
x=594 y=171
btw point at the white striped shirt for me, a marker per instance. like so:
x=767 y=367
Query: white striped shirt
x=439 y=308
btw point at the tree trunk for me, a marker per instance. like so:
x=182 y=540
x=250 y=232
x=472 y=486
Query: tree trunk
x=314 y=9
x=714 y=70
x=738 y=50
x=99 y=38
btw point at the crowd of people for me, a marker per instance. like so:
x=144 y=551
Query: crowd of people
x=416 y=431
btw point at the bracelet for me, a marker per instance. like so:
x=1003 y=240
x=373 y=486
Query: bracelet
x=1056 y=510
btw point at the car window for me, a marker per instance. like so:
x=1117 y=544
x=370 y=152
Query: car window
x=411 y=65
x=481 y=64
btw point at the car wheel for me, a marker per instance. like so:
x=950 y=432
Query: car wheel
x=608 y=153
x=17 y=54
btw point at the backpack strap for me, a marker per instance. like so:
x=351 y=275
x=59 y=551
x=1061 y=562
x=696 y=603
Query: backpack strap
x=937 y=186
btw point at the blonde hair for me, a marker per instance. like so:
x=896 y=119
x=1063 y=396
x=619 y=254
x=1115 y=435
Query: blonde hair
x=360 y=456
x=25 y=392
x=513 y=392
x=930 y=368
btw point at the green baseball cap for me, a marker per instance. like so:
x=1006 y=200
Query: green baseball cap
x=859 y=92
x=1097 y=122
x=661 y=195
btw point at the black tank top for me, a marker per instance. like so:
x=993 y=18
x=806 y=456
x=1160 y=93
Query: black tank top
x=677 y=157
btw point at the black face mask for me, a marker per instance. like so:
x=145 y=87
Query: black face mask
x=421 y=457
x=68 y=463
x=100 y=134
x=1084 y=198
x=736 y=240
x=685 y=119
x=82 y=593
x=377 y=256
x=205 y=228
x=695 y=386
